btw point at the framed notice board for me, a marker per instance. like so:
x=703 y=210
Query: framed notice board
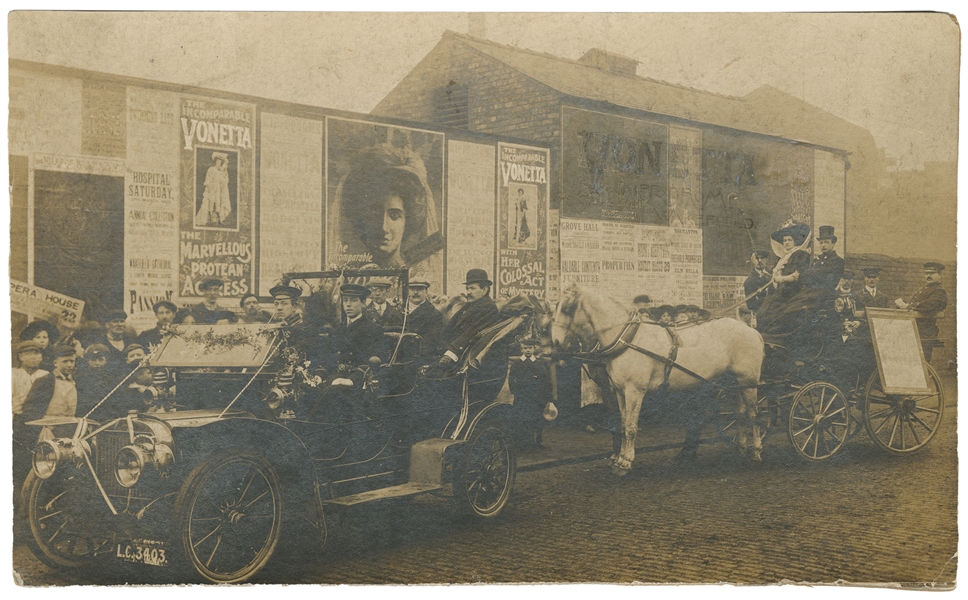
x=897 y=345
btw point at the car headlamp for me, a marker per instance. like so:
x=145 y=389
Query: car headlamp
x=50 y=453
x=134 y=459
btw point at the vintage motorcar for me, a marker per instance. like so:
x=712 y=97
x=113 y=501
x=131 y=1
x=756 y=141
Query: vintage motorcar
x=246 y=443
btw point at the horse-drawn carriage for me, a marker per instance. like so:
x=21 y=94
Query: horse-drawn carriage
x=839 y=375
x=258 y=447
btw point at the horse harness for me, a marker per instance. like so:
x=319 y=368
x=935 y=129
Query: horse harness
x=624 y=342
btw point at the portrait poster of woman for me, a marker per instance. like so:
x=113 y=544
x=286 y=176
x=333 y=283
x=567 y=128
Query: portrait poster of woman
x=522 y=226
x=216 y=189
x=385 y=198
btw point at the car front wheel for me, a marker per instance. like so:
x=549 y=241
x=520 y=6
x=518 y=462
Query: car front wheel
x=230 y=515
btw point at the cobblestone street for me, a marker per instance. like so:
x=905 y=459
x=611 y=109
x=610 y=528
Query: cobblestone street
x=863 y=516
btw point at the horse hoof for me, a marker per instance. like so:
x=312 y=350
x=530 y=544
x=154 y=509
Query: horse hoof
x=756 y=454
x=619 y=471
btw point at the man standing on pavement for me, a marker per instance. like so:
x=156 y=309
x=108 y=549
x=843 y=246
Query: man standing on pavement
x=379 y=310
x=211 y=289
x=760 y=276
x=251 y=311
x=165 y=314
x=929 y=301
x=422 y=318
x=870 y=296
x=826 y=268
x=479 y=313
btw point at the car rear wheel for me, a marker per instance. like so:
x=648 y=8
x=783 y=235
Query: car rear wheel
x=485 y=476
x=63 y=528
x=230 y=516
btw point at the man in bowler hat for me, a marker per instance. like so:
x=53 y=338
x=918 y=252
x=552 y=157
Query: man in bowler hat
x=869 y=295
x=929 y=300
x=479 y=313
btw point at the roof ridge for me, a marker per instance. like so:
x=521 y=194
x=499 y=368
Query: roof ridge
x=469 y=38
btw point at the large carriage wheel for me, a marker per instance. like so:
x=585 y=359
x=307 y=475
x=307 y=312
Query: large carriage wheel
x=62 y=520
x=727 y=421
x=485 y=477
x=819 y=420
x=902 y=423
x=230 y=515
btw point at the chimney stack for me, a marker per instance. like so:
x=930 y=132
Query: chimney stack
x=610 y=62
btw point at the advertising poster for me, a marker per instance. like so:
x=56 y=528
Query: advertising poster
x=471 y=212
x=685 y=181
x=653 y=262
x=291 y=205
x=580 y=242
x=217 y=195
x=614 y=168
x=384 y=197
x=554 y=257
x=523 y=220
x=151 y=204
x=686 y=262
x=722 y=291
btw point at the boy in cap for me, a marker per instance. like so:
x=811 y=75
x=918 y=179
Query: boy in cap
x=29 y=354
x=211 y=289
x=929 y=300
x=165 y=314
x=379 y=310
x=529 y=380
x=870 y=295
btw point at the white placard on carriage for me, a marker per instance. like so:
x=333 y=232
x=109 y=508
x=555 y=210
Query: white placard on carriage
x=897 y=346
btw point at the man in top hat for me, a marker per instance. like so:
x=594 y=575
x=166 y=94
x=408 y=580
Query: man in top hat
x=165 y=314
x=929 y=300
x=826 y=268
x=422 y=317
x=379 y=310
x=760 y=276
x=870 y=296
x=211 y=289
x=477 y=314
x=115 y=337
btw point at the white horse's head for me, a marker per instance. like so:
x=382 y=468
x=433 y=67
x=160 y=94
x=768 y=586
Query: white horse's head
x=571 y=326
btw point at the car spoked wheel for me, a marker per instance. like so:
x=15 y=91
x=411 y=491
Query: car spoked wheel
x=62 y=528
x=230 y=512
x=484 y=482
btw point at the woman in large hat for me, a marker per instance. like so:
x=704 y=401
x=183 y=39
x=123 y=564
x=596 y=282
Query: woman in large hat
x=790 y=244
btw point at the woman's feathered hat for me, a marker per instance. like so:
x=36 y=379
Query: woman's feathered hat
x=798 y=231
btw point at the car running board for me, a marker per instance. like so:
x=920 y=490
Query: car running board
x=397 y=491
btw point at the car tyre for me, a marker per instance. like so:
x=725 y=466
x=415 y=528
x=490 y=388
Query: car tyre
x=486 y=472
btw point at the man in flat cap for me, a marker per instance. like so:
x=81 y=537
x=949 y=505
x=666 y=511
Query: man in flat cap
x=211 y=290
x=379 y=310
x=869 y=295
x=165 y=314
x=479 y=313
x=422 y=317
x=760 y=276
x=929 y=300
x=826 y=268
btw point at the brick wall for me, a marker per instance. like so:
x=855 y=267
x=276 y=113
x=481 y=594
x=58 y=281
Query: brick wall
x=901 y=278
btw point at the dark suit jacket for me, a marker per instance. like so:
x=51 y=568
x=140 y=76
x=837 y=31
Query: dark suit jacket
x=391 y=317
x=530 y=382
x=930 y=299
x=754 y=282
x=427 y=322
x=881 y=300
x=467 y=323
x=355 y=343
x=824 y=272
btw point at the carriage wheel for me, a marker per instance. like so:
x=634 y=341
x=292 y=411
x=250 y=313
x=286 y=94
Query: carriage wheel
x=486 y=477
x=230 y=511
x=767 y=414
x=819 y=420
x=903 y=423
x=63 y=533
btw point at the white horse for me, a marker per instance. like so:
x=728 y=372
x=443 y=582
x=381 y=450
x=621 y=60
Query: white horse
x=708 y=349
